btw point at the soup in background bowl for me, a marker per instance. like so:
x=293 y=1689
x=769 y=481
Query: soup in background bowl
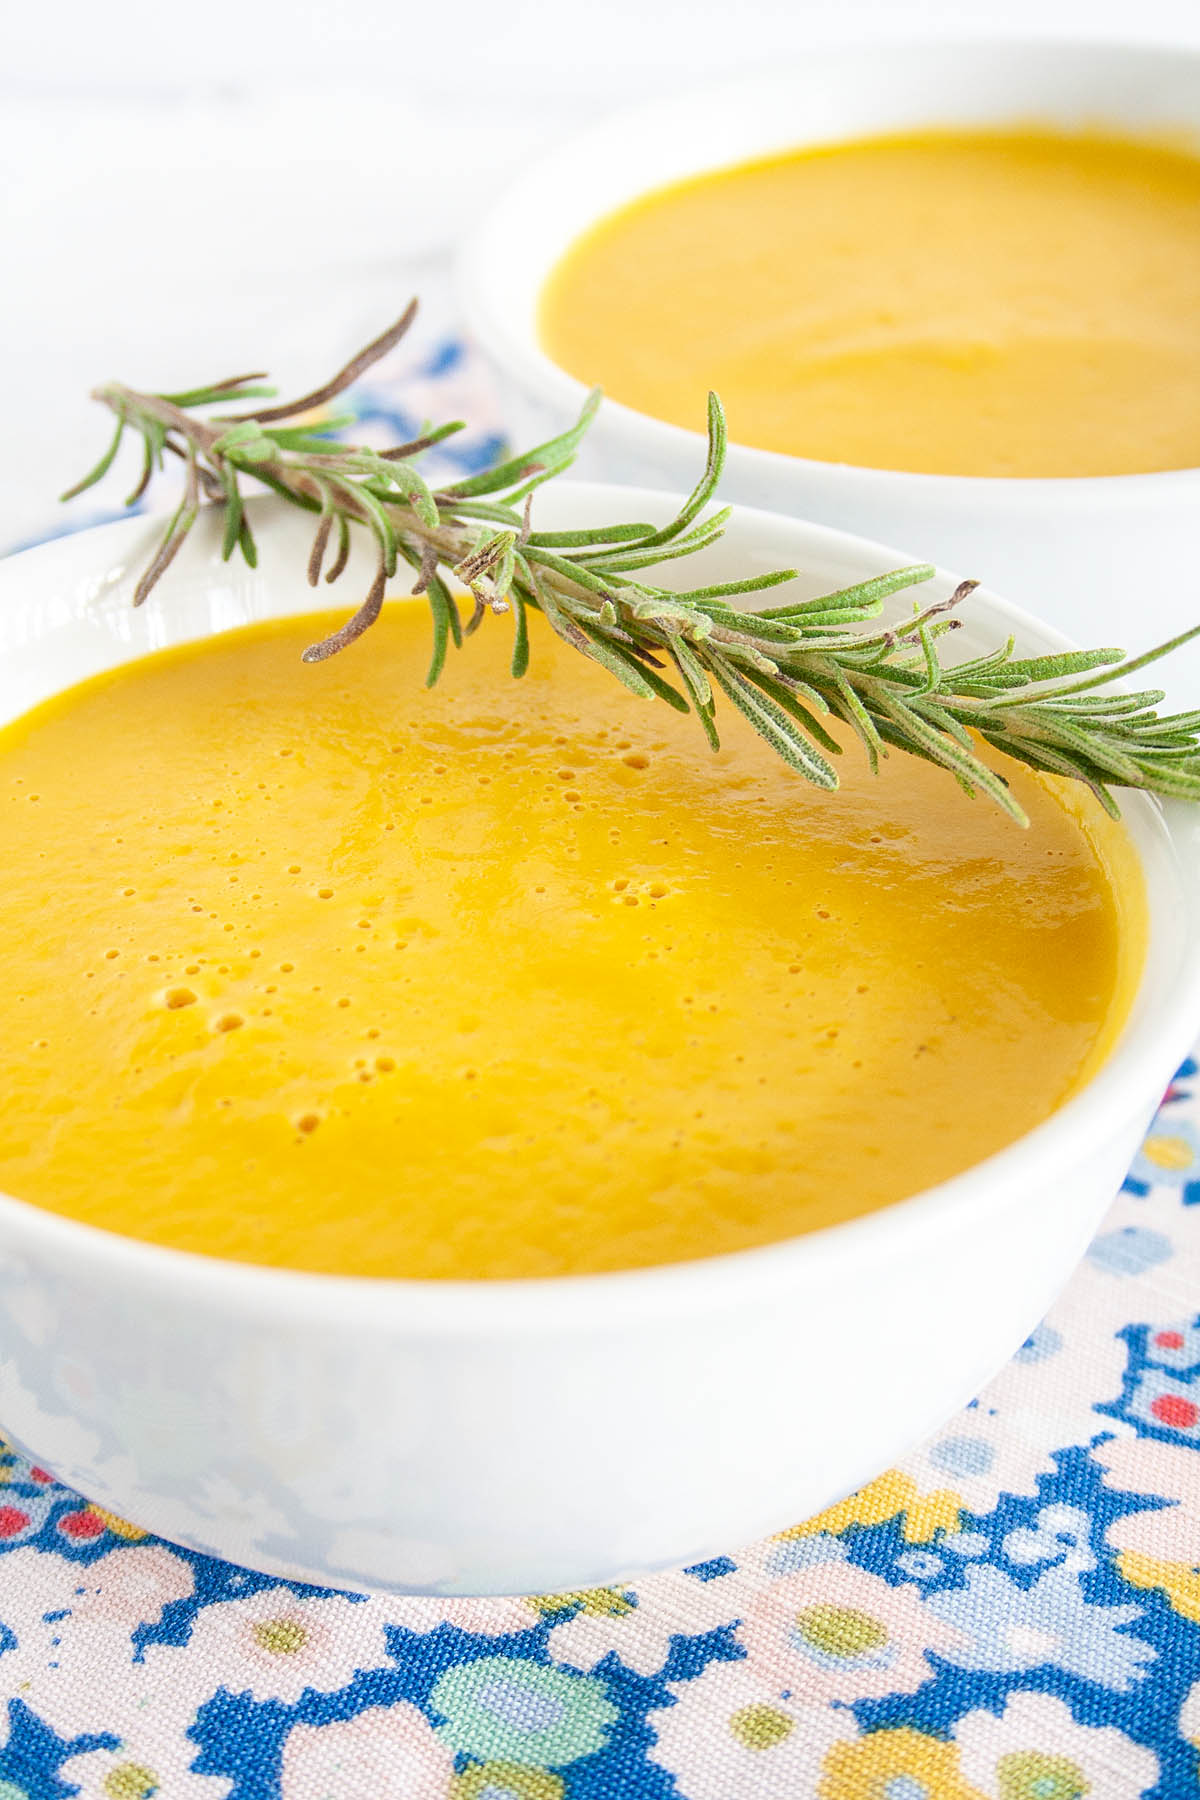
x=222 y=1403
x=976 y=302
x=1088 y=513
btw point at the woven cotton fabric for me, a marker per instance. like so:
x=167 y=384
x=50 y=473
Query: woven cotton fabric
x=1014 y=1612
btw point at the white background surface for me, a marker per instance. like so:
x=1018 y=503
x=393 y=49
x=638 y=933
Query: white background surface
x=188 y=190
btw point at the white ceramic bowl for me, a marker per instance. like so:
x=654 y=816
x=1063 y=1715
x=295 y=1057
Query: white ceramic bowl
x=527 y=1436
x=1107 y=560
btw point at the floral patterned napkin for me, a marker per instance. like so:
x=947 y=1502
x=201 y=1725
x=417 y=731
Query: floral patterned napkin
x=1014 y=1612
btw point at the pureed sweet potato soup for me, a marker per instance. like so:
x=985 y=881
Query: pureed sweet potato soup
x=311 y=966
x=1003 y=303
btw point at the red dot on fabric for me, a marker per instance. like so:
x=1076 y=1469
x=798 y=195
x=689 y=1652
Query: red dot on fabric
x=82 y=1524
x=1173 y=1410
x=42 y=1475
x=1170 y=1340
x=12 y=1520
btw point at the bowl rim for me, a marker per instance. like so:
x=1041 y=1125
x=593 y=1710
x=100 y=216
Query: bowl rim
x=591 y=1304
x=480 y=257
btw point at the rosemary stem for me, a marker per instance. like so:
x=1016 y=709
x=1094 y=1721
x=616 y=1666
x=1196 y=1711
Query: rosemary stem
x=783 y=668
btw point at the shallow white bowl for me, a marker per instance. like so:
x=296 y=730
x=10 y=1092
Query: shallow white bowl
x=1107 y=560
x=527 y=1436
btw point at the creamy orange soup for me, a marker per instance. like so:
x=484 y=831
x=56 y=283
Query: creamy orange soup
x=312 y=967
x=967 y=303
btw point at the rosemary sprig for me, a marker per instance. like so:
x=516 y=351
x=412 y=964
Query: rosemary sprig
x=787 y=668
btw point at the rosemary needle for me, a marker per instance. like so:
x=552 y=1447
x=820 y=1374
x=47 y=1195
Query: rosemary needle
x=787 y=668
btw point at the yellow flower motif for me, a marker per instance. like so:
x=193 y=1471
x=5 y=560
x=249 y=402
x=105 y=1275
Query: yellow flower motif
x=597 y=1602
x=760 y=1727
x=1179 y=1581
x=841 y=1631
x=1038 y=1775
x=894 y=1765
x=506 y=1781
x=130 y=1781
x=118 y=1526
x=924 y=1514
x=1168 y=1152
x=280 y=1637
